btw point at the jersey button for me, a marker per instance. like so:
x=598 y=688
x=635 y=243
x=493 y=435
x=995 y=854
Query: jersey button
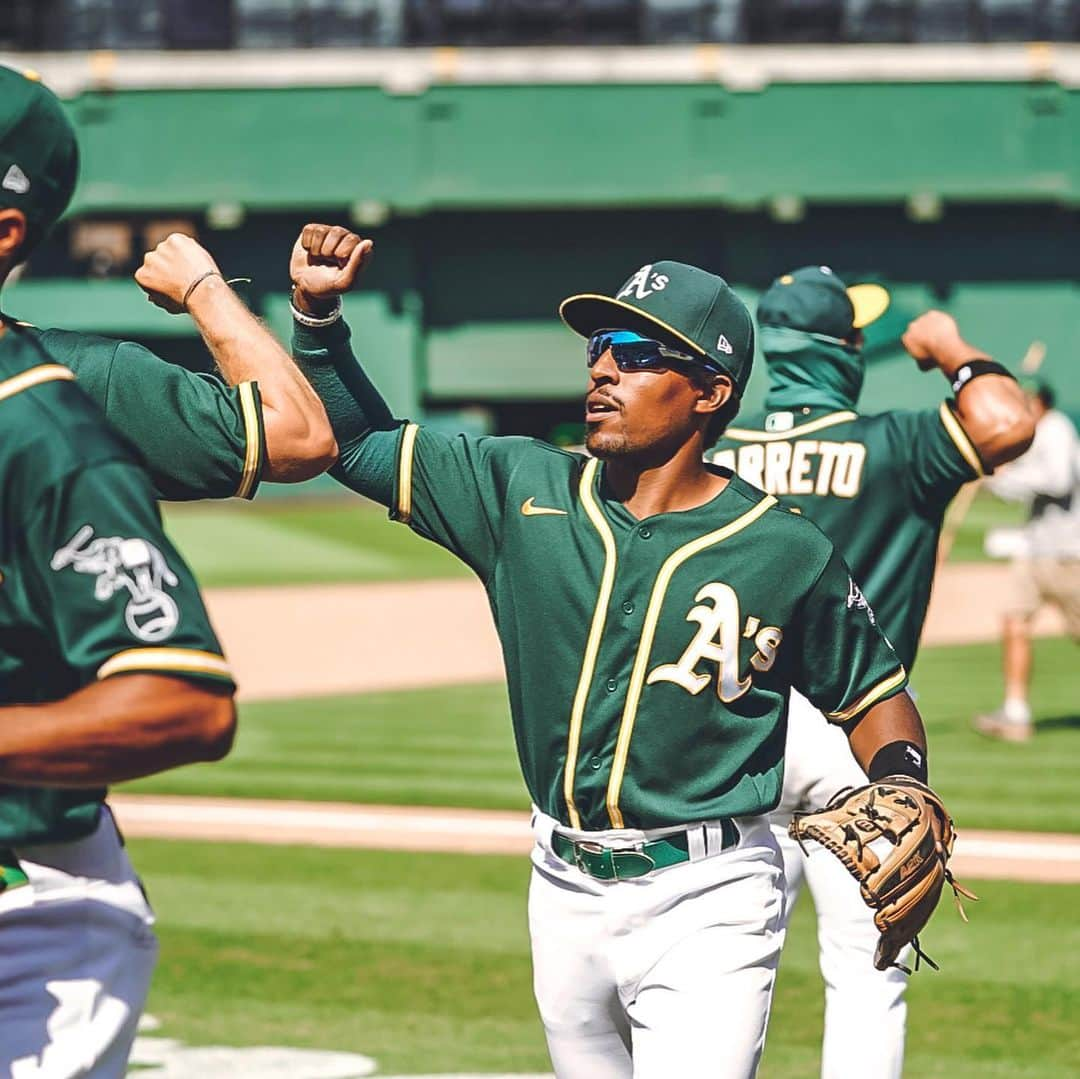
x=594 y=763
x=628 y=607
x=645 y=532
x=612 y=685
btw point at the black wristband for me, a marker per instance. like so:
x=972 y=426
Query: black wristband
x=974 y=369
x=898 y=759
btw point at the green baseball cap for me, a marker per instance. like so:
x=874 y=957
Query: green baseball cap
x=39 y=157
x=679 y=305
x=815 y=300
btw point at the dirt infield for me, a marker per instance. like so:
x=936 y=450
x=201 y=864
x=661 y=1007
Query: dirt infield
x=301 y=641
x=979 y=855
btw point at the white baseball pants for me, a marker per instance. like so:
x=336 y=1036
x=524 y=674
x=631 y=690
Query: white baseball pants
x=76 y=955
x=865 y=1011
x=670 y=974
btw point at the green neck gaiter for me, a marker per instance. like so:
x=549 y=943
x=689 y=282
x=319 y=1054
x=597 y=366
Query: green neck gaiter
x=809 y=370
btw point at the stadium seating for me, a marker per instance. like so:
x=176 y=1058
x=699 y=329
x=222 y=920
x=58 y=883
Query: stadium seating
x=218 y=24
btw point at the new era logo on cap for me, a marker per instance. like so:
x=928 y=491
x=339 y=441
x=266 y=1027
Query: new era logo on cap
x=16 y=180
x=724 y=345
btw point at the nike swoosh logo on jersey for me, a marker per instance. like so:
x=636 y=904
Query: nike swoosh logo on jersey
x=530 y=509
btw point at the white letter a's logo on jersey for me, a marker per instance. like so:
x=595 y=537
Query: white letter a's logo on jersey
x=717 y=640
x=130 y=565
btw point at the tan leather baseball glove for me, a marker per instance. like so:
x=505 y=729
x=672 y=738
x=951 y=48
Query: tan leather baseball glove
x=895 y=838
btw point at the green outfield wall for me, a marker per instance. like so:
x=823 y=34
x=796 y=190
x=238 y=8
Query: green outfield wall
x=497 y=182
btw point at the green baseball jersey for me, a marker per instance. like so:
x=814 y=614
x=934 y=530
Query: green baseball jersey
x=90 y=586
x=878 y=486
x=648 y=661
x=197 y=437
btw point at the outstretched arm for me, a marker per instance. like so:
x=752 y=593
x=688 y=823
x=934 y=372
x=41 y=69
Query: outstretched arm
x=992 y=408
x=179 y=275
x=325 y=263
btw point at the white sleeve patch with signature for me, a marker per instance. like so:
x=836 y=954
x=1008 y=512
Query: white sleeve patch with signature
x=134 y=566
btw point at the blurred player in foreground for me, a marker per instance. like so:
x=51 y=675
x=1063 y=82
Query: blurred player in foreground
x=654 y=613
x=878 y=486
x=109 y=668
x=1047 y=478
x=198 y=437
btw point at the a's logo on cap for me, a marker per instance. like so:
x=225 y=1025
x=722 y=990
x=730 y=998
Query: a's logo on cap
x=724 y=345
x=644 y=283
x=16 y=180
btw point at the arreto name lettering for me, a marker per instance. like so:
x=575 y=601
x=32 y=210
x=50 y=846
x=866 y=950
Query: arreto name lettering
x=806 y=467
x=717 y=641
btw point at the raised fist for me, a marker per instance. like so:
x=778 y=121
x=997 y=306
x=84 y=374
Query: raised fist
x=172 y=268
x=933 y=338
x=325 y=262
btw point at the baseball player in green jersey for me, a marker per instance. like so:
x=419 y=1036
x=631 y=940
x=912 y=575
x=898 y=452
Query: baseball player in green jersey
x=198 y=437
x=108 y=670
x=878 y=486
x=654 y=614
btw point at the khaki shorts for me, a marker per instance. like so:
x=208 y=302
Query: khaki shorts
x=1053 y=581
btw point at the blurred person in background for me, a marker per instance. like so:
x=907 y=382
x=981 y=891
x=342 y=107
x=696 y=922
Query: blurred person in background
x=1047 y=571
x=878 y=486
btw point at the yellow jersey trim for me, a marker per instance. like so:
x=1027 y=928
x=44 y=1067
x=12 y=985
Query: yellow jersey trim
x=166 y=660
x=596 y=633
x=253 y=440
x=960 y=438
x=648 y=632
x=405 y=470
x=35 y=376
x=868 y=698
x=744 y=434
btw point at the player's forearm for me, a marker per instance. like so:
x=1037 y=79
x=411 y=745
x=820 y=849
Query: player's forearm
x=299 y=441
x=890 y=721
x=994 y=413
x=121 y=728
x=352 y=402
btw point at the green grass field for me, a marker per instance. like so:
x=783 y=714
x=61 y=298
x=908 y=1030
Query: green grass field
x=452 y=746
x=309 y=541
x=321 y=540
x=422 y=962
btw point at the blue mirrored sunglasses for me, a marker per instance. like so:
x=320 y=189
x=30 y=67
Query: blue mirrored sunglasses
x=633 y=352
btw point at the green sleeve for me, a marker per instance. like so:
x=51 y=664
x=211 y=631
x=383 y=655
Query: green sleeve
x=844 y=663
x=453 y=489
x=941 y=457
x=366 y=431
x=116 y=596
x=198 y=437
x=354 y=406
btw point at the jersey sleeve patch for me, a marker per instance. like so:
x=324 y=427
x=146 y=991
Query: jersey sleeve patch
x=133 y=567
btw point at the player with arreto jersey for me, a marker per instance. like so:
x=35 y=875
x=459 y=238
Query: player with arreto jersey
x=878 y=486
x=654 y=613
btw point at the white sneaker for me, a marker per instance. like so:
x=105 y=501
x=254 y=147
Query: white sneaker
x=998 y=725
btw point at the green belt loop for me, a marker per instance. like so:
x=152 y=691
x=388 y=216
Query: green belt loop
x=11 y=873
x=609 y=863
